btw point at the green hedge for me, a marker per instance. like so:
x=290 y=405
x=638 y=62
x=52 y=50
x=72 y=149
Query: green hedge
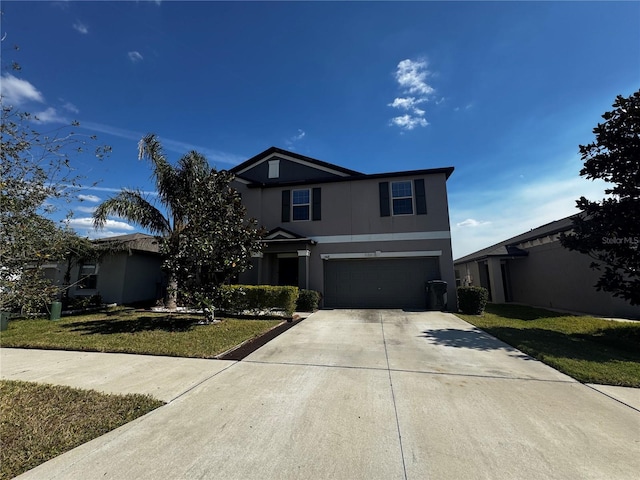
x=258 y=298
x=308 y=301
x=472 y=300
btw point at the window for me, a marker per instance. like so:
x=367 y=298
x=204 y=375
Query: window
x=301 y=203
x=87 y=277
x=402 y=196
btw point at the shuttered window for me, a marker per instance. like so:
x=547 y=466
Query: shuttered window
x=301 y=205
x=301 y=201
x=402 y=195
x=401 y=198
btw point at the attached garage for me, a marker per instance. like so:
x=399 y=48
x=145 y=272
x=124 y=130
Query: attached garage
x=378 y=282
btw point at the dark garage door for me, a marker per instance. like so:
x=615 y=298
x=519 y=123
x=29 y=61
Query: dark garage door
x=378 y=283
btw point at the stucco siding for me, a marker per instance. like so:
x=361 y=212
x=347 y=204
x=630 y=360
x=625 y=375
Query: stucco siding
x=111 y=278
x=351 y=223
x=142 y=278
x=350 y=208
x=552 y=276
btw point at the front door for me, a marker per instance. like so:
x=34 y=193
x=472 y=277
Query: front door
x=288 y=271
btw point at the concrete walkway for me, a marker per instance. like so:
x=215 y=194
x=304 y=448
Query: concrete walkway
x=362 y=394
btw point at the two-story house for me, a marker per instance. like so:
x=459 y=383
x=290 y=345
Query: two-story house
x=362 y=240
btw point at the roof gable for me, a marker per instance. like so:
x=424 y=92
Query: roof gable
x=133 y=241
x=282 y=235
x=509 y=246
x=293 y=167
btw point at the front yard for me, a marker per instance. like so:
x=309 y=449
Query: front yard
x=40 y=422
x=141 y=332
x=591 y=350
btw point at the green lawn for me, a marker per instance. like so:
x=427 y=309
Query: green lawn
x=144 y=332
x=591 y=350
x=39 y=422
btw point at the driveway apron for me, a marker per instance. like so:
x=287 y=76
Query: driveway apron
x=373 y=394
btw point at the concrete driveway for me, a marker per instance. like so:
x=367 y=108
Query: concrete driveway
x=371 y=394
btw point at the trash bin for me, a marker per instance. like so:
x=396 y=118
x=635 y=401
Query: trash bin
x=4 y=320
x=437 y=295
x=56 y=310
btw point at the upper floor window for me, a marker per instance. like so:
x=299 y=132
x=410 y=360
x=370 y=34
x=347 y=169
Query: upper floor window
x=301 y=204
x=402 y=195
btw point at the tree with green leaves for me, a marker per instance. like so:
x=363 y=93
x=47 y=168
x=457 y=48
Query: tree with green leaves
x=609 y=231
x=205 y=238
x=36 y=178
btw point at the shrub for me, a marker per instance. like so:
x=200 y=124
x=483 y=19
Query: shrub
x=472 y=300
x=308 y=300
x=239 y=298
x=82 y=302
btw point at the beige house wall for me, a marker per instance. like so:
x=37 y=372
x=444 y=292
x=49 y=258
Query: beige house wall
x=121 y=278
x=351 y=224
x=553 y=277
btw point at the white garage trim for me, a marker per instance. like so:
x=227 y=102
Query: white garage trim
x=383 y=237
x=355 y=255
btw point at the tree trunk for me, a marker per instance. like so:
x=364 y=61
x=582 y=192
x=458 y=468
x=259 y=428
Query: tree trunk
x=172 y=292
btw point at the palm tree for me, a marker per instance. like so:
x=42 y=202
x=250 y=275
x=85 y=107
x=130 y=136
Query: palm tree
x=174 y=186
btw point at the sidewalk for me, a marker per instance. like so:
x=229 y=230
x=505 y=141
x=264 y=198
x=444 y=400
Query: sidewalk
x=352 y=394
x=164 y=378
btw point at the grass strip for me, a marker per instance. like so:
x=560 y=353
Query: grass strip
x=39 y=422
x=591 y=350
x=177 y=335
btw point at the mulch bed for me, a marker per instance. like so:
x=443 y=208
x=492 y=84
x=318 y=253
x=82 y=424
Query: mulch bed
x=252 y=345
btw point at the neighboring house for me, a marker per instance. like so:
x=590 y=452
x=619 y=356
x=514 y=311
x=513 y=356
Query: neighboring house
x=130 y=275
x=535 y=269
x=361 y=240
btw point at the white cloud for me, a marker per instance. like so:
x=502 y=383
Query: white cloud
x=216 y=156
x=411 y=77
x=81 y=27
x=84 y=227
x=471 y=222
x=86 y=209
x=17 y=91
x=296 y=138
x=408 y=122
x=86 y=223
x=70 y=107
x=135 y=57
x=407 y=103
x=50 y=115
x=89 y=198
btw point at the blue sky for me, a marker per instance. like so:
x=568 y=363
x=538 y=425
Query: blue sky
x=503 y=91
